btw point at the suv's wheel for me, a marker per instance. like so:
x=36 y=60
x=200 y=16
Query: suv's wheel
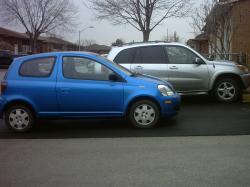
x=144 y=114
x=227 y=90
x=19 y=118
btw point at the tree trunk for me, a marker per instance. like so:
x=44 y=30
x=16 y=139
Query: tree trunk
x=33 y=43
x=146 y=36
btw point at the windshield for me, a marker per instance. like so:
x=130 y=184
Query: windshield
x=206 y=56
x=121 y=68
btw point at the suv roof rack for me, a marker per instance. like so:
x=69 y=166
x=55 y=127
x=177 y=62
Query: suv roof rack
x=134 y=43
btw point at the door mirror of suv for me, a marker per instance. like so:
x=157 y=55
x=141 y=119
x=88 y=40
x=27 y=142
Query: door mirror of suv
x=114 y=77
x=198 y=60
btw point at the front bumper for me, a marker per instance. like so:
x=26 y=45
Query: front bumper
x=246 y=80
x=170 y=105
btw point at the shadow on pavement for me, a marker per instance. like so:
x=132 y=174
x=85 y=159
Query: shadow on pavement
x=199 y=116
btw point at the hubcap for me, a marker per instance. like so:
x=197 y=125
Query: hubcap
x=144 y=114
x=19 y=119
x=226 y=91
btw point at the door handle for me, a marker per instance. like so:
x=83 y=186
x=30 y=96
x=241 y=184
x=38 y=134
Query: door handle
x=138 y=67
x=173 y=67
x=64 y=90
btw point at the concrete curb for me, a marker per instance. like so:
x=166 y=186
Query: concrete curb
x=246 y=96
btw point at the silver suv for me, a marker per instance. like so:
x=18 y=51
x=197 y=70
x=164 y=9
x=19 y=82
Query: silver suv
x=186 y=69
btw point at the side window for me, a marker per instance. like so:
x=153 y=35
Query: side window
x=40 y=67
x=125 y=56
x=180 y=55
x=153 y=55
x=85 y=69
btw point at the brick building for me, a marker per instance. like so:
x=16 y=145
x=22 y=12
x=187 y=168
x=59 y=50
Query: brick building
x=240 y=38
x=234 y=30
x=199 y=43
x=20 y=42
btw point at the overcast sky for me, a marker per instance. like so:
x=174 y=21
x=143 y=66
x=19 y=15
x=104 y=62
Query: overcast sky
x=106 y=33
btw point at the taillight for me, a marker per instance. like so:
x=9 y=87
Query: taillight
x=3 y=86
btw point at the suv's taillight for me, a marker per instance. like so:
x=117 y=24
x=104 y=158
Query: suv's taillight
x=3 y=86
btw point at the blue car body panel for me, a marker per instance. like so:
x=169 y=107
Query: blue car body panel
x=58 y=96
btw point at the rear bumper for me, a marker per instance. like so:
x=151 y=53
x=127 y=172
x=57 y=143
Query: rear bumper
x=246 y=80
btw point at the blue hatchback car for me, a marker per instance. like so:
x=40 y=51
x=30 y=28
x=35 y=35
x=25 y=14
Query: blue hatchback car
x=78 y=85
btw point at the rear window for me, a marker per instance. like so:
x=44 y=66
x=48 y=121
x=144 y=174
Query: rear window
x=125 y=57
x=40 y=67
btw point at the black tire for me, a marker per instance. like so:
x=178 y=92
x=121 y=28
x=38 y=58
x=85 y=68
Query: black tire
x=222 y=93
x=19 y=118
x=150 y=114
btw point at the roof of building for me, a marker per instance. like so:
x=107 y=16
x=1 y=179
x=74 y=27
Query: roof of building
x=97 y=47
x=11 y=33
x=56 y=40
x=200 y=37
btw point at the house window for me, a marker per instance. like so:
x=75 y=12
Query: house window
x=25 y=48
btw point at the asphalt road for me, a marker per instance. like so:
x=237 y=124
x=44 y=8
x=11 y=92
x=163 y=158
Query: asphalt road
x=199 y=116
x=144 y=162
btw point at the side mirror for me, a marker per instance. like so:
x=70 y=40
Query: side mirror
x=114 y=77
x=198 y=60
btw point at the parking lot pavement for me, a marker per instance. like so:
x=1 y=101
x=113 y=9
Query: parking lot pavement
x=199 y=116
x=173 y=161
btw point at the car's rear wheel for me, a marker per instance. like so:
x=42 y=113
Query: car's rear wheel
x=19 y=118
x=144 y=114
x=227 y=90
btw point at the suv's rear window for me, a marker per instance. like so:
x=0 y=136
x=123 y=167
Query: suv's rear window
x=40 y=67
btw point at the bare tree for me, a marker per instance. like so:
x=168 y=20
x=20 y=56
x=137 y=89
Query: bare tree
x=200 y=15
x=219 y=29
x=143 y=15
x=214 y=18
x=38 y=16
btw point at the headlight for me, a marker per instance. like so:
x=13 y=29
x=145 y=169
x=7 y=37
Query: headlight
x=243 y=68
x=165 y=90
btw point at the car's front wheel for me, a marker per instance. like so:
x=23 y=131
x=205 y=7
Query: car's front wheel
x=227 y=90
x=144 y=114
x=19 y=118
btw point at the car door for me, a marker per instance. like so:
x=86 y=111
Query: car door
x=84 y=88
x=184 y=73
x=150 y=60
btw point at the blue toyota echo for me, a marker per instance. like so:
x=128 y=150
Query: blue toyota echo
x=78 y=85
